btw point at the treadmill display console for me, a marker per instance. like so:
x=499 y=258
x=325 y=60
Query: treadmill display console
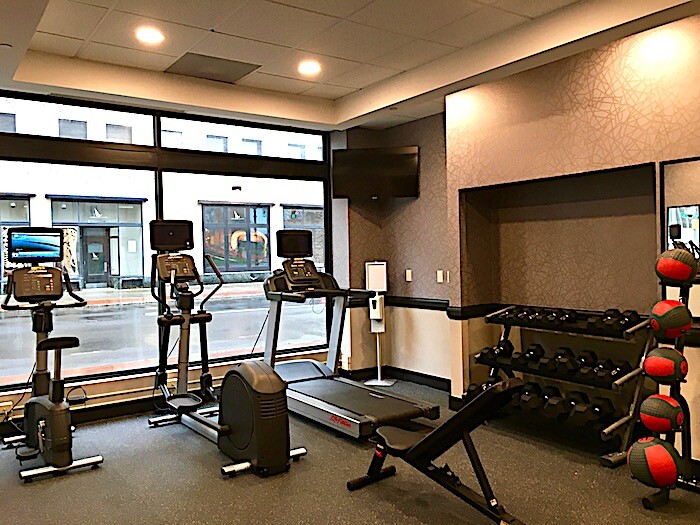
x=302 y=272
x=183 y=265
x=34 y=285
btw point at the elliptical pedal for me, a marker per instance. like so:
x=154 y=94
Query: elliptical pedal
x=27 y=453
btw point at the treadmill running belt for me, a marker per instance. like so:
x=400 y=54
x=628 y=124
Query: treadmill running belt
x=383 y=409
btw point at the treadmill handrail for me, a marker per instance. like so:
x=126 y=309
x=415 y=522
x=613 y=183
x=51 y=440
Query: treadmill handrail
x=292 y=297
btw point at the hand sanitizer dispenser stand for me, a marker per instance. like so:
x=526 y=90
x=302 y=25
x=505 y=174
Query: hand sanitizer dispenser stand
x=376 y=281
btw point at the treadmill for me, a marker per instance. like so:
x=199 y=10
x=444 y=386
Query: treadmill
x=315 y=390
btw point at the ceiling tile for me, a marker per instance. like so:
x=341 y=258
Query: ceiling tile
x=286 y=66
x=198 y=13
x=341 y=8
x=413 y=54
x=125 y=57
x=275 y=23
x=363 y=76
x=66 y=18
x=119 y=29
x=241 y=49
x=355 y=42
x=274 y=83
x=413 y=17
x=476 y=27
x=532 y=8
x=330 y=92
x=54 y=44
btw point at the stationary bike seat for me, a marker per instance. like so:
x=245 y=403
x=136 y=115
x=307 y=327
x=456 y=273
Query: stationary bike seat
x=58 y=343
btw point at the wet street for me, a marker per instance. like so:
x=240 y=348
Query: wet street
x=125 y=336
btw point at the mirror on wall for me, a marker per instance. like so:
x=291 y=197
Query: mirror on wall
x=681 y=197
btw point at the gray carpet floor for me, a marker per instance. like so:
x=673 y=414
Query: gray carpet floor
x=171 y=475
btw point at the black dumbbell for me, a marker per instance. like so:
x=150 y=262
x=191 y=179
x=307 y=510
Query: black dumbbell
x=620 y=369
x=554 y=317
x=565 y=361
x=604 y=409
x=473 y=390
x=555 y=406
x=630 y=318
x=585 y=362
x=602 y=372
x=552 y=364
x=581 y=410
x=503 y=350
x=531 y=397
x=532 y=354
x=569 y=316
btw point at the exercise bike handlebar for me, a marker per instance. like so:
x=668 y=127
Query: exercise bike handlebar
x=79 y=302
x=211 y=262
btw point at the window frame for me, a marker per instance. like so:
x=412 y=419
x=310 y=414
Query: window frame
x=157 y=159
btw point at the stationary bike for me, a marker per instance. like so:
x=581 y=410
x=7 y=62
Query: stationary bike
x=253 y=423
x=47 y=420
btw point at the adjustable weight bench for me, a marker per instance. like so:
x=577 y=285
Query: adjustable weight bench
x=420 y=450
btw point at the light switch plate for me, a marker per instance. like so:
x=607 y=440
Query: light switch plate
x=409 y=276
x=440 y=276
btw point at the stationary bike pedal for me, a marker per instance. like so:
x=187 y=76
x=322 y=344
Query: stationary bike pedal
x=26 y=453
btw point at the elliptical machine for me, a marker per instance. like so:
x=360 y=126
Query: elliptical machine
x=253 y=422
x=47 y=420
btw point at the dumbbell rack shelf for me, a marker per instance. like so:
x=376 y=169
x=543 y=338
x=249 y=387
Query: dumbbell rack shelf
x=579 y=322
x=507 y=365
x=595 y=325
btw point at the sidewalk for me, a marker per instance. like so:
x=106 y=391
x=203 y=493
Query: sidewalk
x=111 y=296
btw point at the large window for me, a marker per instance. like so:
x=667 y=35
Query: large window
x=237 y=236
x=104 y=256
x=104 y=213
x=49 y=119
x=308 y=218
x=239 y=233
x=210 y=136
x=8 y=123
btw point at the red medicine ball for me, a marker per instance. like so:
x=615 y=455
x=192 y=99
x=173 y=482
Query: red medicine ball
x=669 y=319
x=676 y=267
x=665 y=365
x=653 y=462
x=661 y=414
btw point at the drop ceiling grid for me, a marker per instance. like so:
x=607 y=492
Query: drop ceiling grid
x=365 y=35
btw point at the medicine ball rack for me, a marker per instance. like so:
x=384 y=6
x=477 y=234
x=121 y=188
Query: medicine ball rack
x=582 y=368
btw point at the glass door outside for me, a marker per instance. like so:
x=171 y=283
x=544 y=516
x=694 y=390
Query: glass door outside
x=95 y=243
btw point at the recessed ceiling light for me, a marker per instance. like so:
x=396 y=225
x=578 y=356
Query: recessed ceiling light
x=149 y=35
x=309 y=68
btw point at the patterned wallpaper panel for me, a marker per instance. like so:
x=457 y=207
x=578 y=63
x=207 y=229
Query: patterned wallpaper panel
x=633 y=101
x=407 y=233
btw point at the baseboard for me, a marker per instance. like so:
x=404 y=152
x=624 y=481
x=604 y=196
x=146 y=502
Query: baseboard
x=363 y=374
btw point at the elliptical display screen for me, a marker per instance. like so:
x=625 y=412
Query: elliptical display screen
x=172 y=236
x=35 y=245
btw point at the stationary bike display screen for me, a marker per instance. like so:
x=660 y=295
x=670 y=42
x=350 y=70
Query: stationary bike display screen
x=35 y=245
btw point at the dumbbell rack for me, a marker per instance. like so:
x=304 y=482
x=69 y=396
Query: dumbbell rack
x=580 y=324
